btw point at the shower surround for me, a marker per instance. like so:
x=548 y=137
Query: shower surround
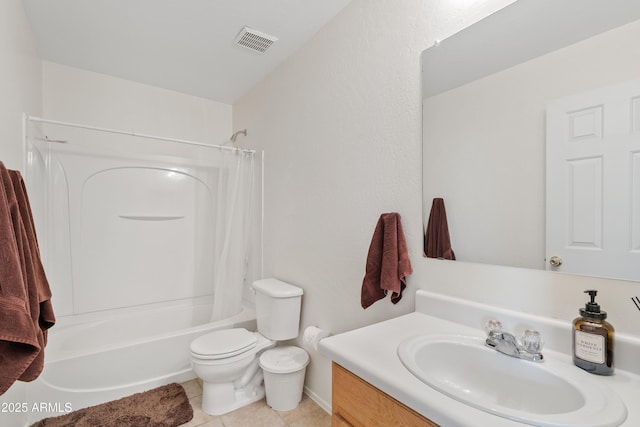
x=145 y=241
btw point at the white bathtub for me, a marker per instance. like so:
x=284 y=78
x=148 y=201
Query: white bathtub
x=97 y=357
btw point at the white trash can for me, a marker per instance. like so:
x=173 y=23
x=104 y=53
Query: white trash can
x=284 y=369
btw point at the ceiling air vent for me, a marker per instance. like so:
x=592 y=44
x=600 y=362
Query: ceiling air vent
x=255 y=40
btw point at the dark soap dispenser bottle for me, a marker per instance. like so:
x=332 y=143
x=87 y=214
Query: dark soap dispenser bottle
x=593 y=339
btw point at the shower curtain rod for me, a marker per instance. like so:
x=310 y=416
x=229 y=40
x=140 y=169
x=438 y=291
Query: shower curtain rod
x=141 y=135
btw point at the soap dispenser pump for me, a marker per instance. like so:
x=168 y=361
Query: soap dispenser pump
x=593 y=339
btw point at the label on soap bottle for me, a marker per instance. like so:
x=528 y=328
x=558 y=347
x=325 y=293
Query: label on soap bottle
x=590 y=347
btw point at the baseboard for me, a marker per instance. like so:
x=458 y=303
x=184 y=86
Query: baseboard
x=321 y=402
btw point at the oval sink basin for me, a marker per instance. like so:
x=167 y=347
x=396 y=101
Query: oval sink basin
x=541 y=394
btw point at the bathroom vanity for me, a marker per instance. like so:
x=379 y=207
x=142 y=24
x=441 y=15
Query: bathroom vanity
x=431 y=368
x=358 y=403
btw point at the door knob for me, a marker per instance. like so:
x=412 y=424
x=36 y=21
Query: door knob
x=555 y=261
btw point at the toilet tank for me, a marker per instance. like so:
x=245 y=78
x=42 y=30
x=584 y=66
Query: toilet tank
x=277 y=309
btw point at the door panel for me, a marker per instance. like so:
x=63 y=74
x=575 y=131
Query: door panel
x=593 y=182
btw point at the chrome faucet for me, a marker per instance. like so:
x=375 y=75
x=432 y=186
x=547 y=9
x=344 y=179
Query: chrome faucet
x=506 y=343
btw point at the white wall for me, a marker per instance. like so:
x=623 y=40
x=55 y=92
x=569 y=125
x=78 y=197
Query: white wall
x=75 y=95
x=20 y=80
x=341 y=125
x=21 y=89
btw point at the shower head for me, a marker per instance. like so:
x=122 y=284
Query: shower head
x=235 y=135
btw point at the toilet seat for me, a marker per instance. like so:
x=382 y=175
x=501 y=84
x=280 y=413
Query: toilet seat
x=223 y=344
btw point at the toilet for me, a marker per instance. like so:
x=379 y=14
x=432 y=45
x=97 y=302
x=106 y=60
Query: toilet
x=227 y=361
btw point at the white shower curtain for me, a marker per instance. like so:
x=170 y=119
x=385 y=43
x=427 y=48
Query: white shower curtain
x=233 y=213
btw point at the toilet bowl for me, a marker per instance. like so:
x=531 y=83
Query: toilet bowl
x=227 y=361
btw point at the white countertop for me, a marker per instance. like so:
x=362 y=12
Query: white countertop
x=371 y=353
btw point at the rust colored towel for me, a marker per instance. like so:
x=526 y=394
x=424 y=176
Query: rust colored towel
x=437 y=243
x=388 y=262
x=25 y=306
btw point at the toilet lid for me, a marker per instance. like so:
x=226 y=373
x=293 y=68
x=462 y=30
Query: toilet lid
x=284 y=360
x=224 y=343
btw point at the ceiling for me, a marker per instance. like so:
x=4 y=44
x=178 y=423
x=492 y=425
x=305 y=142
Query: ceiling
x=183 y=45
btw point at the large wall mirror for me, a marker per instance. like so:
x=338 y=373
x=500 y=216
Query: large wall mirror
x=538 y=72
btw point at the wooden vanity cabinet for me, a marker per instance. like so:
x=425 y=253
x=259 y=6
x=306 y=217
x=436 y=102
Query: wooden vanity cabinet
x=357 y=403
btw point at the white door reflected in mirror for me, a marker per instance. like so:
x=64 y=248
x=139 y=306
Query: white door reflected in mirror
x=593 y=182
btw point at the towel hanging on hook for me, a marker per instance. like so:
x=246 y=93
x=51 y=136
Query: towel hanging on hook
x=388 y=262
x=437 y=242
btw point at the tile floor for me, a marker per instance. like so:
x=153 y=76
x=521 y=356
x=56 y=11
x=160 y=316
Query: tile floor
x=258 y=414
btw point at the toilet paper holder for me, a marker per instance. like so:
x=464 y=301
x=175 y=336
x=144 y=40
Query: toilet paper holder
x=312 y=336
